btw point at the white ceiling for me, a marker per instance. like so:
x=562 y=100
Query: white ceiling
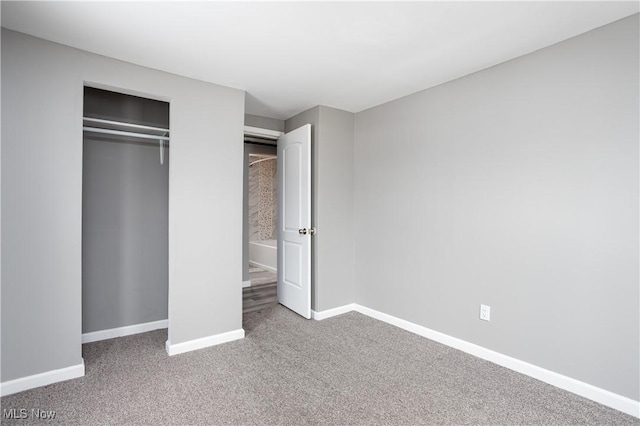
x=291 y=56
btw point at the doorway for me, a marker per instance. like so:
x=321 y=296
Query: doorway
x=260 y=211
x=292 y=211
x=124 y=215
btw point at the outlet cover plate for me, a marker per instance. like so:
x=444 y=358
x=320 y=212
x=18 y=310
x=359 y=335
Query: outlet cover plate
x=485 y=312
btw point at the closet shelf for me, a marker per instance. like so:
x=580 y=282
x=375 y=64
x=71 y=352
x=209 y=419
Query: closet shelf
x=124 y=133
x=110 y=127
x=119 y=128
x=121 y=125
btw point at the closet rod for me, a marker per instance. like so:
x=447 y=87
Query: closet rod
x=120 y=123
x=123 y=133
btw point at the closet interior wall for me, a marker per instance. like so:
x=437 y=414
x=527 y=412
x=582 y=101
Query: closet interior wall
x=125 y=216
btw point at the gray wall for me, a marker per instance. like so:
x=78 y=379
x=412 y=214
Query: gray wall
x=264 y=122
x=515 y=187
x=125 y=196
x=332 y=205
x=42 y=87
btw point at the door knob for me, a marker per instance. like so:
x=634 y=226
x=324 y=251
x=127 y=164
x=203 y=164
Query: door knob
x=312 y=231
x=302 y=231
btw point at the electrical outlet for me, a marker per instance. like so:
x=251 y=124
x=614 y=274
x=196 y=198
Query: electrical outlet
x=485 y=312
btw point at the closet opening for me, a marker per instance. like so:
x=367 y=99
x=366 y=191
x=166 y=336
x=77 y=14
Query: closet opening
x=260 y=222
x=125 y=182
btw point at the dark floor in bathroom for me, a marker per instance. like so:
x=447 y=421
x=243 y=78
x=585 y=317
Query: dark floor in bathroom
x=263 y=292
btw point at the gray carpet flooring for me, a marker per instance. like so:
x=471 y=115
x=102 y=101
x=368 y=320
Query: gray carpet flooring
x=349 y=369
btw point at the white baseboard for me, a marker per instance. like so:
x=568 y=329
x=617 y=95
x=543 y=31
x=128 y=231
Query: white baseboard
x=263 y=266
x=95 y=336
x=602 y=396
x=204 y=342
x=321 y=315
x=53 y=376
x=246 y=284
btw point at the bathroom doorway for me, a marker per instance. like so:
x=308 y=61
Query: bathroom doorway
x=278 y=207
x=261 y=215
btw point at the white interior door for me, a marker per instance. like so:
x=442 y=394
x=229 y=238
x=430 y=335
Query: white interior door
x=294 y=220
